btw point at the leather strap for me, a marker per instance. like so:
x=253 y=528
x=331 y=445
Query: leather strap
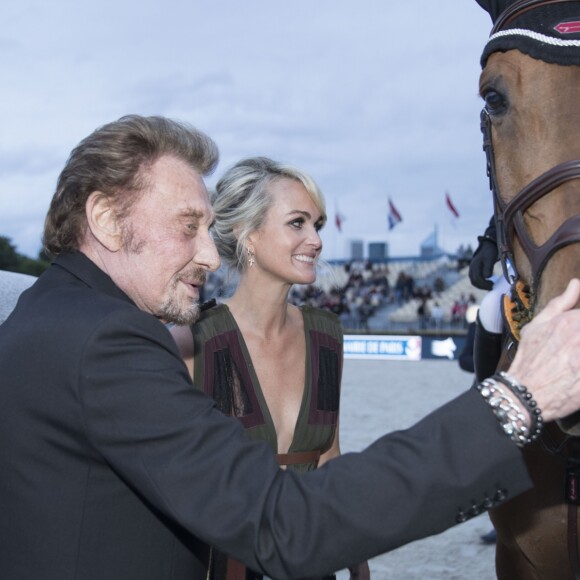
x=573 y=540
x=573 y=499
x=299 y=457
x=236 y=570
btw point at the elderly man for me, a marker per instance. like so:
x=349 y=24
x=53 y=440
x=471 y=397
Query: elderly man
x=114 y=467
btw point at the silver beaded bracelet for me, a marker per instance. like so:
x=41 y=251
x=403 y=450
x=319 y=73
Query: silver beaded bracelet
x=525 y=397
x=507 y=412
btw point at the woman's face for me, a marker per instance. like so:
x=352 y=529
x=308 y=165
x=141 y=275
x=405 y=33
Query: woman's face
x=288 y=244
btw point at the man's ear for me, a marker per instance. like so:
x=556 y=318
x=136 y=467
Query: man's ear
x=102 y=221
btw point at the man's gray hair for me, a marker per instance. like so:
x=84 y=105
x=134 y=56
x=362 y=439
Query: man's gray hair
x=114 y=160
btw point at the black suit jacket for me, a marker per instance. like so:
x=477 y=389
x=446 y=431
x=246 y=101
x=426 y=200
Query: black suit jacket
x=113 y=467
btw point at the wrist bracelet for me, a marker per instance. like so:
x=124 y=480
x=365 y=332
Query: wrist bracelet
x=525 y=397
x=511 y=419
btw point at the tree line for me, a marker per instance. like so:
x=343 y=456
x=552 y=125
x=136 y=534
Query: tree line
x=12 y=261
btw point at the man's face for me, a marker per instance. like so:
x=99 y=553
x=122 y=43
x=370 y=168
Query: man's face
x=167 y=248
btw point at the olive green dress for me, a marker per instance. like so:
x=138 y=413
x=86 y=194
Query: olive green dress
x=224 y=370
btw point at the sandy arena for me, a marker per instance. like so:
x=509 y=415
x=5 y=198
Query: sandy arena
x=381 y=396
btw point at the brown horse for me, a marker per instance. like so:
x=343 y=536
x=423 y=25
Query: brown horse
x=530 y=84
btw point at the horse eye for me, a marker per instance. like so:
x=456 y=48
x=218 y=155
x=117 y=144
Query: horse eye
x=494 y=102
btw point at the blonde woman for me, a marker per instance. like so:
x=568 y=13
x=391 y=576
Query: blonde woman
x=274 y=366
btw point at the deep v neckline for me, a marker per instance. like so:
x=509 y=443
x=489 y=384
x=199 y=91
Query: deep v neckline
x=257 y=387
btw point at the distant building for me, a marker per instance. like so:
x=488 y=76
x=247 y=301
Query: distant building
x=430 y=246
x=378 y=251
x=356 y=249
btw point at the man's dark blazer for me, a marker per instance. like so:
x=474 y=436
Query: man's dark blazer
x=114 y=468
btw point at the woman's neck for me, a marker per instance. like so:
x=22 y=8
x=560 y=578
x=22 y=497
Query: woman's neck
x=261 y=307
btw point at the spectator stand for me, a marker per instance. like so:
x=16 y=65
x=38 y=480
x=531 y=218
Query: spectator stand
x=383 y=297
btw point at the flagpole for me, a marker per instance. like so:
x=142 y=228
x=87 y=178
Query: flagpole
x=338 y=221
x=334 y=230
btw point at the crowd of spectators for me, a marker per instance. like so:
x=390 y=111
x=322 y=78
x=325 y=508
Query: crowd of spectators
x=464 y=255
x=365 y=289
x=431 y=314
x=355 y=302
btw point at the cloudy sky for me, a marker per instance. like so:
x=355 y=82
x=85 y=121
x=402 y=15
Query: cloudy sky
x=375 y=99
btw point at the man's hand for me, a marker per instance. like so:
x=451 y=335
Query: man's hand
x=547 y=360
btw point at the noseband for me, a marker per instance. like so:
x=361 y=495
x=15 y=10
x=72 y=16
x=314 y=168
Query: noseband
x=509 y=216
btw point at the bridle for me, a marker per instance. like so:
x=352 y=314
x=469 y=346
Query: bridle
x=509 y=219
x=509 y=216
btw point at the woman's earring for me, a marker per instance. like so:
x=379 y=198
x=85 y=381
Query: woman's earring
x=251 y=258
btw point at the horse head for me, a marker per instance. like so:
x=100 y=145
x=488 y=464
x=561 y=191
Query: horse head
x=530 y=84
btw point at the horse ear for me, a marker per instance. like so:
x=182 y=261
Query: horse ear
x=494 y=7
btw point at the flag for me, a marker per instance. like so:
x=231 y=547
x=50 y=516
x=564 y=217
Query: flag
x=394 y=217
x=450 y=205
